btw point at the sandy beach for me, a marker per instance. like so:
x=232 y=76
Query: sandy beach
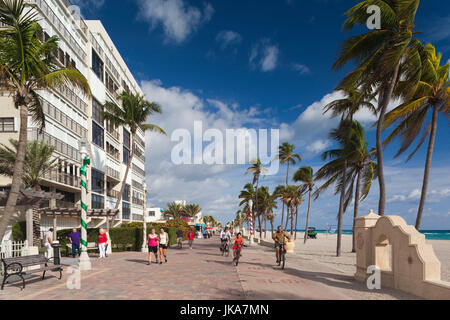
x=323 y=251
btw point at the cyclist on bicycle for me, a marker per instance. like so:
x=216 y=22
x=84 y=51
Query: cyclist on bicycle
x=238 y=242
x=280 y=241
x=225 y=235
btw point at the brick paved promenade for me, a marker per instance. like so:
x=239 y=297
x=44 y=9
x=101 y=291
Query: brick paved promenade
x=198 y=274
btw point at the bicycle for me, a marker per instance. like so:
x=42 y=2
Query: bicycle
x=225 y=248
x=238 y=255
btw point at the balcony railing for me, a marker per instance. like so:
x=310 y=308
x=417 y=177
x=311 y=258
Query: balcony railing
x=137 y=185
x=138 y=217
x=138 y=170
x=42 y=4
x=63 y=178
x=112 y=173
x=139 y=141
x=114 y=154
x=83 y=26
x=113 y=193
x=112 y=132
x=70 y=95
x=60 y=146
x=137 y=201
x=53 y=112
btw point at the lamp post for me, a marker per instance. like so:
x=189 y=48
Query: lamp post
x=250 y=204
x=144 y=242
x=85 y=263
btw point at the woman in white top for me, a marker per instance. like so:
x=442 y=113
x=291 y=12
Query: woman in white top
x=163 y=243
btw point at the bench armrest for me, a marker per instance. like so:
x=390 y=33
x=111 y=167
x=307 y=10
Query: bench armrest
x=14 y=267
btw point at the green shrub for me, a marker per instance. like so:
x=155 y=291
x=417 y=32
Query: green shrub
x=132 y=225
x=19 y=231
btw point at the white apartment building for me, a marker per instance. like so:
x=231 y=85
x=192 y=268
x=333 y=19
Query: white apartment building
x=70 y=116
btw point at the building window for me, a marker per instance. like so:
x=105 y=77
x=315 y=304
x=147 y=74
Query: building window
x=126 y=146
x=97 y=202
x=97 y=134
x=125 y=210
x=126 y=155
x=98 y=182
x=152 y=214
x=97 y=65
x=126 y=193
x=126 y=138
x=6 y=124
x=97 y=112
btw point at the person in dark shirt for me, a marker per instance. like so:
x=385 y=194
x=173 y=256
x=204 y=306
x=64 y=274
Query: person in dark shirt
x=180 y=237
x=74 y=238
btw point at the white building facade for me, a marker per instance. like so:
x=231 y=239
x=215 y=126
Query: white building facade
x=71 y=116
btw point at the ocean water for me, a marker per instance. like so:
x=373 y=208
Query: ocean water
x=429 y=234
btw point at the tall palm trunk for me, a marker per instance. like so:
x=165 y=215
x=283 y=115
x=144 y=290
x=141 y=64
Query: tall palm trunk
x=356 y=208
x=265 y=227
x=427 y=166
x=292 y=220
x=341 y=210
x=307 y=216
x=36 y=221
x=287 y=181
x=287 y=217
x=18 y=172
x=257 y=212
x=342 y=196
x=296 y=219
x=382 y=106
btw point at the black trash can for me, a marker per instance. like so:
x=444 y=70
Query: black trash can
x=56 y=253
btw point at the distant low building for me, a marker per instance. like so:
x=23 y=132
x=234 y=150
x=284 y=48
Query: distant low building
x=154 y=214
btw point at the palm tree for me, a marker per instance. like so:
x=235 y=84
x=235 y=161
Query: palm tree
x=257 y=169
x=175 y=210
x=363 y=169
x=378 y=55
x=336 y=171
x=38 y=162
x=267 y=204
x=191 y=210
x=134 y=113
x=286 y=155
x=28 y=65
x=305 y=175
x=432 y=94
x=354 y=101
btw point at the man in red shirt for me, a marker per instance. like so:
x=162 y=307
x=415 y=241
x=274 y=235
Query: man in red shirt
x=102 y=240
x=191 y=236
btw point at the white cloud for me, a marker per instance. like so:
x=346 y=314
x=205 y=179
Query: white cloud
x=264 y=55
x=228 y=38
x=214 y=187
x=178 y=19
x=301 y=68
x=310 y=130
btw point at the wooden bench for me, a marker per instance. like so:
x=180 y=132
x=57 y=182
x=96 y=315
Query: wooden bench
x=15 y=266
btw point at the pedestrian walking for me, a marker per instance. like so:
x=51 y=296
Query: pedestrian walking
x=48 y=242
x=74 y=239
x=163 y=243
x=191 y=236
x=102 y=240
x=152 y=243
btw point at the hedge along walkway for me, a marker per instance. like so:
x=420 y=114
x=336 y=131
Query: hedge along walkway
x=198 y=274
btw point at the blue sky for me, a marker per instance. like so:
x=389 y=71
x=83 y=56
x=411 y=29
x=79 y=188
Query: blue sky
x=259 y=64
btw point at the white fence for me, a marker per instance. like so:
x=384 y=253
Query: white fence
x=10 y=249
